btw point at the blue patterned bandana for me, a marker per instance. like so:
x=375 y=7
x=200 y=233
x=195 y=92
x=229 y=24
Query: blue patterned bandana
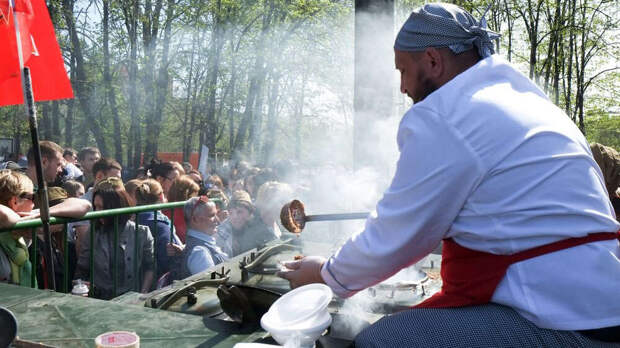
x=445 y=25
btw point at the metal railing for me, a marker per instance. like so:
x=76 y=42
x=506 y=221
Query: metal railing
x=115 y=213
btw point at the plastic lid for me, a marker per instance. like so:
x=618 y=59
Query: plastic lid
x=299 y=304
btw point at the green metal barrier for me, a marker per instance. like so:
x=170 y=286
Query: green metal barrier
x=115 y=213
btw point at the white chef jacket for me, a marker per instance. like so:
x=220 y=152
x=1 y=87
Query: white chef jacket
x=489 y=161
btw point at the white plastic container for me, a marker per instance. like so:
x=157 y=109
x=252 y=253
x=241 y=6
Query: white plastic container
x=300 y=316
x=118 y=339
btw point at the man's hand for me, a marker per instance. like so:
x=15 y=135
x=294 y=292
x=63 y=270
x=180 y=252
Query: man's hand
x=174 y=250
x=304 y=271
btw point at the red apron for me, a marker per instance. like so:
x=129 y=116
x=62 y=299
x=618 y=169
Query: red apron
x=470 y=277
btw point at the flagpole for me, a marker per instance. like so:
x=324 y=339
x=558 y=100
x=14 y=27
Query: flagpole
x=31 y=112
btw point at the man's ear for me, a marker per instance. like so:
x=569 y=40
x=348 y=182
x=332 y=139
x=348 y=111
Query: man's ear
x=435 y=62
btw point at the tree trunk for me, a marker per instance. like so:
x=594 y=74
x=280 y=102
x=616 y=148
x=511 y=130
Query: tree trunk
x=70 y=107
x=162 y=78
x=55 y=121
x=209 y=126
x=82 y=86
x=131 y=11
x=271 y=134
x=107 y=81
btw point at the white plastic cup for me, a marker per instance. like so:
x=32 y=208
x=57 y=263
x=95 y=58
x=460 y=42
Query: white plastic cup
x=118 y=339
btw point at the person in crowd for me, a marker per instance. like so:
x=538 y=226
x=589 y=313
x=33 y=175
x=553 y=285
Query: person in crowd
x=110 y=194
x=142 y=173
x=608 y=159
x=178 y=167
x=221 y=202
x=196 y=176
x=17 y=193
x=87 y=158
x=74 y=188
x=270 y=198
x=265 y=175
x=182 y=189
x=73 y=172
x=214 y=182
x=150 y=192
x=51 y=162
x=235 y=185
x=234 y=235
x=240 y=170
x=164 y=173
x=102 y=169
x=187 y=167
x=56 y=196
x=201 y=252
x=505 y=179
x=131 y=186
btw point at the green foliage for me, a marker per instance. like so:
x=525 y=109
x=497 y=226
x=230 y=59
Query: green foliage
x=279 y=65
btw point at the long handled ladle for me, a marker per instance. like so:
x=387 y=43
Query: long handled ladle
x=294 y=218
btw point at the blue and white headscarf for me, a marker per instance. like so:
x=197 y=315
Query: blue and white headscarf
x=445 y=25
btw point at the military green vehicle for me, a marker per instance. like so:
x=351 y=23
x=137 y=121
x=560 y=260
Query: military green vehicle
x=216 y=308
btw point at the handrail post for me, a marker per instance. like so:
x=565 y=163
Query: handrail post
x=155 y=238
x=92 y=258
x=33 y=259
x=115 y=253
x=136 y=273
x=65 y=248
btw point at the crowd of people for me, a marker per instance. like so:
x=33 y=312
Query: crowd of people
x=225 y=214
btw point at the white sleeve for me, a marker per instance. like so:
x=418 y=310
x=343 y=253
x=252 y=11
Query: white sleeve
x=435 y=174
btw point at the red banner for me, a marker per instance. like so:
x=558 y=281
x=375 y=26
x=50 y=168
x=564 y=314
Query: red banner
x=40 y=51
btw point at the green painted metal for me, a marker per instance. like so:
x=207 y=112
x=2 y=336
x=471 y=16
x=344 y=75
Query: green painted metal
x=155 y=235
x=135 y=261
x=33 y=259
x=94 y=215
x=65 y=248
x=92 y=259
x=64 y=320
x=115 y=257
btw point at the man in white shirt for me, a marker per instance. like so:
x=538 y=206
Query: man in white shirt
x=491 y=167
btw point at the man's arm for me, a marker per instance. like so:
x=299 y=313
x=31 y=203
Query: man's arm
x=435 y=175
x=70 y=208
x=8 y=217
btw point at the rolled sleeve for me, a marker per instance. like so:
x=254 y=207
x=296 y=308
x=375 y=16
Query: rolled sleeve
x=435 y=175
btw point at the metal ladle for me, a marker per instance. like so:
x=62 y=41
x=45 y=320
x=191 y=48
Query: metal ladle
x=294 y=218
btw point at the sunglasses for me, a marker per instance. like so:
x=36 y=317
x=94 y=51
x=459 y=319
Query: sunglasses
x=27 y=195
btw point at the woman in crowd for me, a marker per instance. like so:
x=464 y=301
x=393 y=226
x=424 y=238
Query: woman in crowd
x=16 y=193
x=131 y=186
x=73 y=188
x=150 y=192
x=214 y=182
x=182 y=189
x=110 y=194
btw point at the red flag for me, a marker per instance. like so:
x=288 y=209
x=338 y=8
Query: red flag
x=40 y=51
